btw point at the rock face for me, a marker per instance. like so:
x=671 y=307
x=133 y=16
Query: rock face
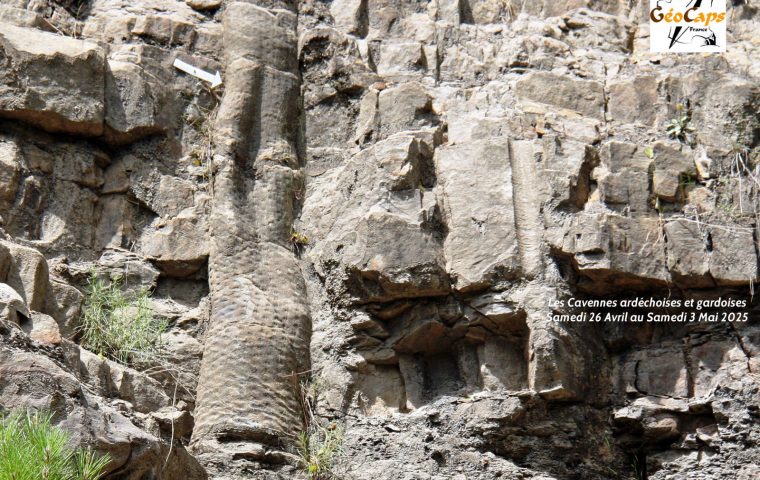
x=366 y=228
x=54 y=82
x=259 y=331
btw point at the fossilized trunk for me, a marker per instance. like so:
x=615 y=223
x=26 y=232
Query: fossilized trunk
x=258 y=336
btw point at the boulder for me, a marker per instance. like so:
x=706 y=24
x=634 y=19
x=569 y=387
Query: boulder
x=69 y=217
x=734 y=255
x=64 y=303
x=378 y=218
x=79 y=164
x=475 y=182
x=144 y=393
x=623 y=176
x=491 y=11
x=405 y=107
x=395 y=259
x=115 y=225
x=135 y=272
x=173 y=195
x=10 y=172
x=634 y=101
x=137 y=103
x=23 y=18
x=164 y=29
x=727 y=253
x=13 y=309
x=674 y=170
x=403 y=61
x=585 y=97
x=180 y=245
x=32 y=380
x=687 y=248
x=51 y=81
x=657 y=371
x=203 y=5
x=42 y=328
x=350 y=16
x=614 y=251
x=27 y=273
x=178 y=423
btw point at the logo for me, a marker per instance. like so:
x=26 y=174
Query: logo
x=696 y=26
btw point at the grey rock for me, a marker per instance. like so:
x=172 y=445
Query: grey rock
x=459 y=169
x=137 y=103
x=42 y=328
x=10 y=172
x=90 y=419
x=178 y=245
x=350 y=16
x=27 y=273
x=582 y=96
x=204 y=4
x=14 y=308
x=400 y=194
x=74 y=102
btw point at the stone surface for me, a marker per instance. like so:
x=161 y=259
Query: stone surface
x=204 y=4
x=10 y=172
x=33 y=380
x=383 y=202
x=137 y=103
x=460 y=168
x=73 y=102
x=179 y=246
x=42 y=328
x=14 y=308
x=258 y=296
x=27 y=273
x=582 y=96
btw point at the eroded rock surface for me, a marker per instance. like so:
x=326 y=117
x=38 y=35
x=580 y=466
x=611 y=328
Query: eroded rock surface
x=410 y=187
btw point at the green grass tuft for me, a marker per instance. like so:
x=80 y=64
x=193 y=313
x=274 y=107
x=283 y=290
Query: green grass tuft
x=31 y=448
x=317 y=450
x=119 y=327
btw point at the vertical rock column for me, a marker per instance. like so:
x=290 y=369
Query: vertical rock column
x=260 y=329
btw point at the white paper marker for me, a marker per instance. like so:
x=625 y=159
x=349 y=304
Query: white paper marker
x=214 y=80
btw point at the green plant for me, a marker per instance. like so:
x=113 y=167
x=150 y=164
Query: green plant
x=685 y=182
x=317 y=449
x=679 y=126
x=318 y=445
x=31 y=448
x=117 y=326
x=201 y=121
x=298 y=240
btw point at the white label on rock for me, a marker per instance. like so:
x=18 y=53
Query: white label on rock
x=214 y=80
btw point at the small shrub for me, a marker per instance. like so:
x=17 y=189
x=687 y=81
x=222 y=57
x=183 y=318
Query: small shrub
x=33 y=449
x=116 y=326
x=299 y=238
x=680 y=127
x=299 y=241
x=317 y=450
x=317 y=446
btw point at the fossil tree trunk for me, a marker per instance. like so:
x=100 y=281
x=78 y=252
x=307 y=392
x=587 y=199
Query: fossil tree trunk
x=259 y=331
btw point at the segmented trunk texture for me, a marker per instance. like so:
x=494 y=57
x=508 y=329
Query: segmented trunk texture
x=260 y=329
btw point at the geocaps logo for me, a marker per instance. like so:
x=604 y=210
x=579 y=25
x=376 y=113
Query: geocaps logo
x=687 y=25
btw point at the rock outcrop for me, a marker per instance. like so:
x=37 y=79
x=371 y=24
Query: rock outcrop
x=367 y=227
x=259 y=330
